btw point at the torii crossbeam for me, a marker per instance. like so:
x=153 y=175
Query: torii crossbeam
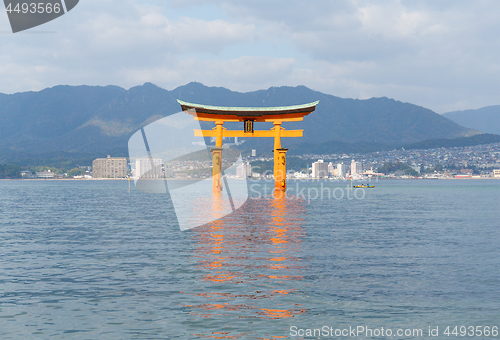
x=249 y=115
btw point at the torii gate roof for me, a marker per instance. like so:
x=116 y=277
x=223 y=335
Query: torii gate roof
x=252 y=113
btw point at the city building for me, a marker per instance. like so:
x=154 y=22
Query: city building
x=45 y=174
x=320 y=169
x=144 y=168
x=496 y=173
x=332 y=171
x=111 y=167
x=168 y=170
x=356 y=168
x=244 y=170
x=371 y=173
x=341 y=170
x=26 y=174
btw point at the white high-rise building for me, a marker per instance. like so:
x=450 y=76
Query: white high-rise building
x=244 y=170
x=144 y=168
x=331 y=170
x=356 y=168
x=341 y=170
x=320 y=169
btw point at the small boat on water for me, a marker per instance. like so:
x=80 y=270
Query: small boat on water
x=364 y=186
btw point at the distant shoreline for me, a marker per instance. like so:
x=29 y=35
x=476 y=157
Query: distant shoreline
x=289 y=179
x=63 y=179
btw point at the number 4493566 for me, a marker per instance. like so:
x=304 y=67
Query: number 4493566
x=471 y=331
x=34 y=7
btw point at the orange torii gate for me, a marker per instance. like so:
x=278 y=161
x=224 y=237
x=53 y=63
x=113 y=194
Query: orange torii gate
x=249 y=115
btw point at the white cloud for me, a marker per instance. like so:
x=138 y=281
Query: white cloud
x=99 y=47
x=439 y=54
x=256 y=72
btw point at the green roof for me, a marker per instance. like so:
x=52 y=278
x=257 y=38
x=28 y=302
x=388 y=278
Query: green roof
x=235 y=109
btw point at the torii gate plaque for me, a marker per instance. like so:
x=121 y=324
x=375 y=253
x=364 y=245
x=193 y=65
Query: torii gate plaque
x=249 y=115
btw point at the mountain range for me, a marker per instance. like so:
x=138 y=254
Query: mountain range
x=486 y=119
x=94 y=121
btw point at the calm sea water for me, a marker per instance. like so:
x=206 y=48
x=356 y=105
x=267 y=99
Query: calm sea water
x=90 y=260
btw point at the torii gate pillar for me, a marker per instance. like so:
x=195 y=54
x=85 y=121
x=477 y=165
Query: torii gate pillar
x=280 y=169
x=279 y=159
x=216 y=169
x=217 y=157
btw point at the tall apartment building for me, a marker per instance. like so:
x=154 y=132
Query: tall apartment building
x=332 y=171
x=111 y=167
x=320 y=169
x=356 y=167
x=144 y=168
x=341 y=170
x=244 y=170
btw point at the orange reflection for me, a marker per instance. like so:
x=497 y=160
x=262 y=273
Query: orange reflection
x=279 y=313
x=249 y=262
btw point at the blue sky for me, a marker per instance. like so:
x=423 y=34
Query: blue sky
x=443 y=55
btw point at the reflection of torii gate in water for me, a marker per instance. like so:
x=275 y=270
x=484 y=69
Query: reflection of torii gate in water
x=249 y=115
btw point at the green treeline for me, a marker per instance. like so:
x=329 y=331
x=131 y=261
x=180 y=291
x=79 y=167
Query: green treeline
x=390 y=167
x=10 y=171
